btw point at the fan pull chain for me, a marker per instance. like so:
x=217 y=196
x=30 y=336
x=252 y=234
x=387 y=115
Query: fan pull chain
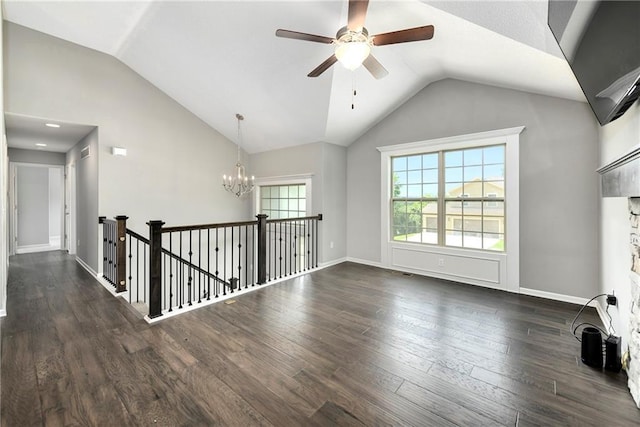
x=353 y=90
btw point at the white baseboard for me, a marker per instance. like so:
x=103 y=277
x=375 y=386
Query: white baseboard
x=3 y=312
x=556 y=297
x=331 y=263
x=365 y=262
x=86 y=267
x=98 y=276
x=28 y=249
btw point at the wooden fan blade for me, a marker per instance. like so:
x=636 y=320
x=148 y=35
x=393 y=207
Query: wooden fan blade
x=357 y=14
x=323 y=67
x=288 y=34
x=403 y=36
x=375 y=68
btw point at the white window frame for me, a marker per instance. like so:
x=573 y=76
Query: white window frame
x=305 y=179
x=503 y=268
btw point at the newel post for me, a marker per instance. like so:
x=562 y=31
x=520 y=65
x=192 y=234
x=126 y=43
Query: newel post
x=155 y=268
x=121 y=253
x=262 y=248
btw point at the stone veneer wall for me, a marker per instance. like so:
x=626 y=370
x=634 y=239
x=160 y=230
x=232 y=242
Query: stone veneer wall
x=633 y=369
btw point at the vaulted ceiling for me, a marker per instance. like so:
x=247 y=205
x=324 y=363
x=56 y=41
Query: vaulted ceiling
x=219 y=58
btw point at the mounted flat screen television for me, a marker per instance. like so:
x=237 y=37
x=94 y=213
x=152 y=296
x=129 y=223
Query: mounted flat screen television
x=601 y=42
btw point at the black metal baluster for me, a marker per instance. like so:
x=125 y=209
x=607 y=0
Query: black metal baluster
x=289 y=243
x=231 y=265
x=113 y=254
x=316 y=239
x=144 y=272
x=131 y=268
x=239 y=258
x=224 y=261
x=167 y=291
x=200 y=266
x=181 y=281
x=190 y=268
x=246 y=256
x=253 y=254
x=208 y=263
x=109 y=257
x=308 y=244
x=295 y=249
x=280 y=250
x=170 y=273
x=303 y=236
x=217 y=269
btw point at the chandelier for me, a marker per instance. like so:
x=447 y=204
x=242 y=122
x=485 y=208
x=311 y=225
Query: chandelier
x=238 y=183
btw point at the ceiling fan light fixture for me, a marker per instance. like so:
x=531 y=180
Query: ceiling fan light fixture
x=351 y=54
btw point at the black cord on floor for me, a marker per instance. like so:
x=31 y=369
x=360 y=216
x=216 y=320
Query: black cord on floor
x=573 y=330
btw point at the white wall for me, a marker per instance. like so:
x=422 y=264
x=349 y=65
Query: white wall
x=616 y=138
x=174 y=161
x=558 y=182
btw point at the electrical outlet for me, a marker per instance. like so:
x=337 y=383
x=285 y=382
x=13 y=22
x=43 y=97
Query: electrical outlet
x=441 y=262
x=331 y=245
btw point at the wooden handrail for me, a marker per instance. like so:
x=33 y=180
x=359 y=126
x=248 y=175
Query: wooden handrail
x=206 y=226
x=318 y=217
x=232 y=224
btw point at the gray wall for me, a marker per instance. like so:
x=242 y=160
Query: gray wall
x=175 y=161
x=33 y=205
x=4 y=202
x=86 y=171
x=56 y=197
x=558 y=182
x=19 y=155
x=334 y=202
x=327 y=163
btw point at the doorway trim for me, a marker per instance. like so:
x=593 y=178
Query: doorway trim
x=13 y=207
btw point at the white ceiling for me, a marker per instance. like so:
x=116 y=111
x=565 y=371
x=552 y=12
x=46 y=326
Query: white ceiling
x=25 y=132
x=219 y=58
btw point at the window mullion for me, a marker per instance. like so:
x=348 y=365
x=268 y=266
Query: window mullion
x=441 y=200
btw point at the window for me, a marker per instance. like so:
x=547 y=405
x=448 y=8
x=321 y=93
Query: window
x=450 y=197
x=283 y=201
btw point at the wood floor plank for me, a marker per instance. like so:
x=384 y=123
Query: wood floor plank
x=20 y=399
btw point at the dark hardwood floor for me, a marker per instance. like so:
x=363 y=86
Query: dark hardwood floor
x=347 y=345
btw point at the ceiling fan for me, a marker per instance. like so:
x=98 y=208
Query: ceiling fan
x=353 y=43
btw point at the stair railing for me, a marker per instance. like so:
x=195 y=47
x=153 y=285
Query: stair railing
x=181 y=266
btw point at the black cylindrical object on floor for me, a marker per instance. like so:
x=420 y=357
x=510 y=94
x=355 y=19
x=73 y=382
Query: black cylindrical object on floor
x=592 y=347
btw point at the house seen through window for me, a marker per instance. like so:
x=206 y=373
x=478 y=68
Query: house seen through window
x=450 y=198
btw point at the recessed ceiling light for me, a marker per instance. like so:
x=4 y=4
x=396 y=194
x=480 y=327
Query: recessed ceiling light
x=39 y=144
x=52 y=125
